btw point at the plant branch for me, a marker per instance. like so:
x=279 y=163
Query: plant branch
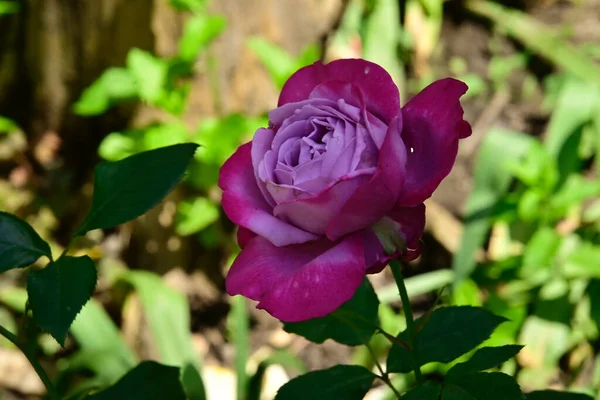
x=410 y=323
x=384 y=375
x=53 y=395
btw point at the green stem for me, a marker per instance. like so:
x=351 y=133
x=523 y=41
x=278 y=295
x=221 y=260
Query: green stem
x=384 y=375
x=52 y=394
x=410 y=322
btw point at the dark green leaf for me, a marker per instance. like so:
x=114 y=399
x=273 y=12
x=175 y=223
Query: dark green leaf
x=126 y=189
x=352 y=324
x=348 y=382
x=428 y=390
x=148 y=381
x=20 y=245
x=58 y=292
x=446 y=334
x=482 y=386
x=554 y=395
x=486 y=358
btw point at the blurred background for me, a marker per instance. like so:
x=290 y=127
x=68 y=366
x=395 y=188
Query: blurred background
x=515 y=228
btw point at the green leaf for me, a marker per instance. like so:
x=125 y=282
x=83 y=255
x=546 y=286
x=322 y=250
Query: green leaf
x=113 y=86
x=352 y=324
x=492 y=180
x=199 y=31
x=168 y=315
x=482 y=386
x=238 y=327
x=149 y=73
x=102 y=350
x=8 y=7
x=58 y=292
x=543 y=39
x=126 y=189
x=540 y=251
x=278 y=62
x=195 y=215
x=555 y=395
x=348 y=382
x=582 y=262
x=148 y=381
x=382 y=33
x=486 y=358
x=7 y=125
x=428 y=390
x=188 y=5
x=20 y=245
x=445 y=334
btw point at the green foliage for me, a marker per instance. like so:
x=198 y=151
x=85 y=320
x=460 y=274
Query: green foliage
x=148 y=381
x=20 y=245
x=278 y=62
x=126 y=189
x=199 y=31
x=114 y=85
x=486 y=358
x=554 y=395
x=352 y=324
x=428 y=390
x=340 y=382
x=167 y=312
x=442 y=336
x=58 y=292
x=9 y=7
x=482 y=386
x=102 y=350
x=7 y=125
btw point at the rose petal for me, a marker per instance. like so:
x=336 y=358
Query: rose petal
x=378 y=196
x=261 y=143
x=381 y=94
x=411 y=224
x=243 y=236
x=299 y=282
x=313 y=214
x=433 y=124
x=245 y=205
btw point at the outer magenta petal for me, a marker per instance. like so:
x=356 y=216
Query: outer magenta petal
x=243 y=236
x=245 y=205
x=377 y=197
x=433 y=124
x=313 y=214
x=381 y=94
x=299 y=282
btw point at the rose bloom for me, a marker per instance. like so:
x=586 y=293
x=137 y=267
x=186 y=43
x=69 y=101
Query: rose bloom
x=335 y=186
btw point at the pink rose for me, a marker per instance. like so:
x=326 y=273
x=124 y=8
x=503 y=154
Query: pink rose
x=335 y=185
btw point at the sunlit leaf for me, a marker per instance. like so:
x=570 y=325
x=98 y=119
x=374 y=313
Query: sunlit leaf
x=199 y=31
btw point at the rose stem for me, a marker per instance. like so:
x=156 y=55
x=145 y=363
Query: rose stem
x=384 y=375
x=410 y=323
x=34 y=362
